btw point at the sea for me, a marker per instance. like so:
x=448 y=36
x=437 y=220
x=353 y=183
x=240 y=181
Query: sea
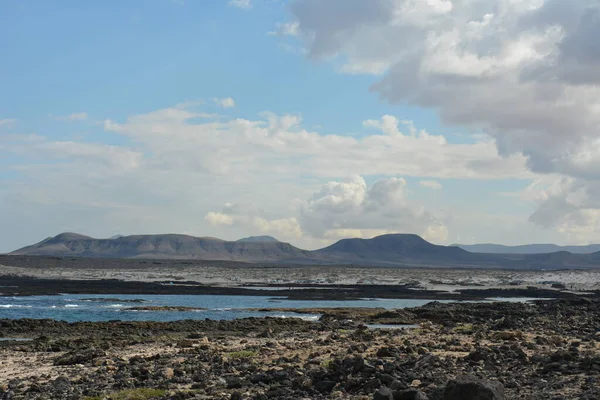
x=85 y=307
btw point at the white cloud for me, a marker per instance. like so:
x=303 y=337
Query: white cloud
x=243 y=4
x=285 y=29
x=287 y=228
x=435 y=185
x=226 y=102
x=525 y=72
x=569 y=205
x=279 y=142
x=347 y=208
x=177 y=167
x=217 y=218
x=80 y=116
x=7 y=122
x=351 y=205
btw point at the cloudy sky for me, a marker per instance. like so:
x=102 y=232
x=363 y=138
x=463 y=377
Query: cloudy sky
x=460 y=120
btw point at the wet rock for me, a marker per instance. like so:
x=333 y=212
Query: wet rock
x=473 y=388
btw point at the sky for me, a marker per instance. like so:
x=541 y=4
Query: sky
x=463 y=121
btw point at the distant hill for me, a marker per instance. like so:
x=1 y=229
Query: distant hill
x=395 y=248
x=257 y=239
x=387 y=250
x=164 y=246
x=528 y=248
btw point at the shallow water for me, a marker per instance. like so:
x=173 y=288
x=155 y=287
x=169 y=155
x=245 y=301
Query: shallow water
x=72 y=308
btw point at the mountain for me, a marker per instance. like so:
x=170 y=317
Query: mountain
x=393 y=249
x=164 y=246
x=387 y=250
x=257 y=239
x=528 y=248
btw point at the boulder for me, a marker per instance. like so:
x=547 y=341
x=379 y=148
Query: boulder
x=325 y=386
x=383 y=393
x=473 y=388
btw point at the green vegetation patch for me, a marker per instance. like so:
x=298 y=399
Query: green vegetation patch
x=241 y=354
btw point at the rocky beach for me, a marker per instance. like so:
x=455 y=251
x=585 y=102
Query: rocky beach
x=546 y=349
x=459 y=345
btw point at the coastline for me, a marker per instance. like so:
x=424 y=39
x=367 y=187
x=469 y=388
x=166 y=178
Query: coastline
x=540 y=349
x=531 y=350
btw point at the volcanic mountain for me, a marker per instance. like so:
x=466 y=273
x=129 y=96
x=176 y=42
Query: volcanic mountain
x=387 y=250
x=164 y=246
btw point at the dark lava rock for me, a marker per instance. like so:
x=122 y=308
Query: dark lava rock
x=412 y=394
x=8 y=395
x=79 y=357
x=325 y=386
x=386 y=352
x=383 y=393
x=472 y=388
x=353 y=364
x=236 y=396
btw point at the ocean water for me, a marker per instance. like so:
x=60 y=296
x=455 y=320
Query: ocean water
x=73 y=308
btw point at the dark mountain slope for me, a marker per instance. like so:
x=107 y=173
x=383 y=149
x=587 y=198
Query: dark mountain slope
x=386 y=250
x=396 y=249
x=164 y=246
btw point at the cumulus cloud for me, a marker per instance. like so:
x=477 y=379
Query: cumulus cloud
x=353 y=206
x=226 y=102
x=348 y=208
x=179 y=164
x=217 y=218
x=233 y=216
x=280 y=143
x=570 y=205
x=525 y=72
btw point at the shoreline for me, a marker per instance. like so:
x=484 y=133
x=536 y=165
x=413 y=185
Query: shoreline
x=531 y=350
x=31 y=286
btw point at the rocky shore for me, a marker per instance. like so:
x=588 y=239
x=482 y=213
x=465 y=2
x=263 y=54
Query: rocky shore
x=542 y=350
x=31 y=286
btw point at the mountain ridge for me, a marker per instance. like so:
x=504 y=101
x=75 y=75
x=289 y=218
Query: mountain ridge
x=533 y=248
x=406 y=250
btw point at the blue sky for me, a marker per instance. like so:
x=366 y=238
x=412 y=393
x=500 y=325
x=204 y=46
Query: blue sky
x=84 y=145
